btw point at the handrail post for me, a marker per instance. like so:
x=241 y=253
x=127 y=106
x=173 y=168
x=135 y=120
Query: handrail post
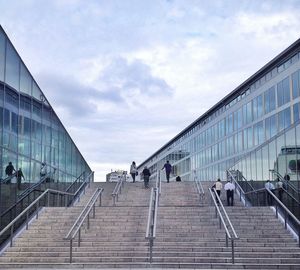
x=48 y=195
x=232 y=250
x=79 y=237
x=100 y=199
x=11 y=235
x=71 y=248
x=226 y=239
x=88 y=222
x=37 y=210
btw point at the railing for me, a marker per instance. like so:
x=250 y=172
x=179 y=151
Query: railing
x=152 y=220
x=25 y=200
x=118 y=189
x=221 y=219
x=199 y=187
x=8 y=178
x=78 y=180
x=35 y=205
x=85 y=214
x=158 y=182
x=287 y=213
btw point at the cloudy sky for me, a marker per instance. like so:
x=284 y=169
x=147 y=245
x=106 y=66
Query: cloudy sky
x=126 y=76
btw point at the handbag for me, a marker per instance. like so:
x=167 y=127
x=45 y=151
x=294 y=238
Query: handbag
x=136 y=173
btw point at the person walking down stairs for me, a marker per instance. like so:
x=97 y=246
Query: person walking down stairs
x=146 y=175
x=133 y=171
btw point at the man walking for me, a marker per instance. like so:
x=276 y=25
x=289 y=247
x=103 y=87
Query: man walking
x=168 y=169
x=146 y=174
x=229 y=187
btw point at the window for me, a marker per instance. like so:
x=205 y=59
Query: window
x=257 y=106
x=238 y=120
x=284 y=119
x=296 y=110
x=247 y=113
x=270 y=126
x=229 y=124
x=258 y=131
x=12 y=67
x=295 y=84
x=270 y=102
x=2 y=55
x=283 y=92
x=25 y=81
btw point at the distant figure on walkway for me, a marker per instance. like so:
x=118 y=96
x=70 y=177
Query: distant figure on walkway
x=218 y=187
x=271 y=187
x=279 y=187
x=229 y=187
x=19 y=177
x=146 y=174
x=168 y=169
x=43 y=171
x=133 y=171
x=178 y=179
x=9 y=170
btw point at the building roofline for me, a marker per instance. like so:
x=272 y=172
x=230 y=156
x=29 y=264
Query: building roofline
x=276 y=61
x=1 y=28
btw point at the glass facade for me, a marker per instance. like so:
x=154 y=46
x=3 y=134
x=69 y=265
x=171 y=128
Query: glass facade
x=266 y=105
x=31 y=132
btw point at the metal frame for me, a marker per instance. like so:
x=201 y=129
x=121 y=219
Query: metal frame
x=286 y=211
x=85 y=213
x=35 y=204
x=152 y=220
x=118 y=189
x=221 y=219
x=199 y=187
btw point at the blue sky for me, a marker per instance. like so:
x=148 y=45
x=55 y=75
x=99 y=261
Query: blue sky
x=126 y=76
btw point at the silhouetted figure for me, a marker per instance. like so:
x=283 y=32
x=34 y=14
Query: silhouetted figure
x=168 y=169
x=9 y=170
x=146 y=174
x=19 y=177
x=178 y=179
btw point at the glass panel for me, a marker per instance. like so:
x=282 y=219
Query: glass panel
x=12 y=67
x=265 y=163
x=283 y=92
x=2 y=55
x=25 y=80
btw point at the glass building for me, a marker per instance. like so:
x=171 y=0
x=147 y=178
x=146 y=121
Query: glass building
x=254 y=129
x=31 y=132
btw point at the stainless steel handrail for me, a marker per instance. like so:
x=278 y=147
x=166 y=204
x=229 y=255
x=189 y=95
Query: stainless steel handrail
x=118 y=189
x=286 y=211
x=26 y=211
x=199 y=187
x=227 y=233
x=85 y=213
x=287 y=182
x=152 y=220
x=158 y=182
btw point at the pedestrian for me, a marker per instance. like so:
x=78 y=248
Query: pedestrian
x=279 y=187
x=146 y=174
x=19 y=177
x=168 y=168
x=269 y=186
x=9 y=170
x=229 y=187
x=43 y=171
x=218 y=187
x=133 y=171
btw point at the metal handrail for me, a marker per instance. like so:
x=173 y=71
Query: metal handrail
x=5 y=180
x=85 y=213
x=199 y=187
x=118 y=189
x=26 y=210
x=227 y=233
x=288 y=183
x=286 y=211
x=152 y=220
x=81 y=176
x=158 y=183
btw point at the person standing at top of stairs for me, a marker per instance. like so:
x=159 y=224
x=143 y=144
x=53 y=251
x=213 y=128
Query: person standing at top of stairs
x=133 y=171
x=229 y=187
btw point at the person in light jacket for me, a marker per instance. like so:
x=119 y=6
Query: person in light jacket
x=133 y=171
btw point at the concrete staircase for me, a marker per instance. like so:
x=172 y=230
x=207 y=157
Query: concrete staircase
x=188 y=234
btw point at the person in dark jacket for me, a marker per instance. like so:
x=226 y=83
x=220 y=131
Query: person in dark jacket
x=19 y=177
x=146 y=174
x=168 y=169
x=9 y=170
